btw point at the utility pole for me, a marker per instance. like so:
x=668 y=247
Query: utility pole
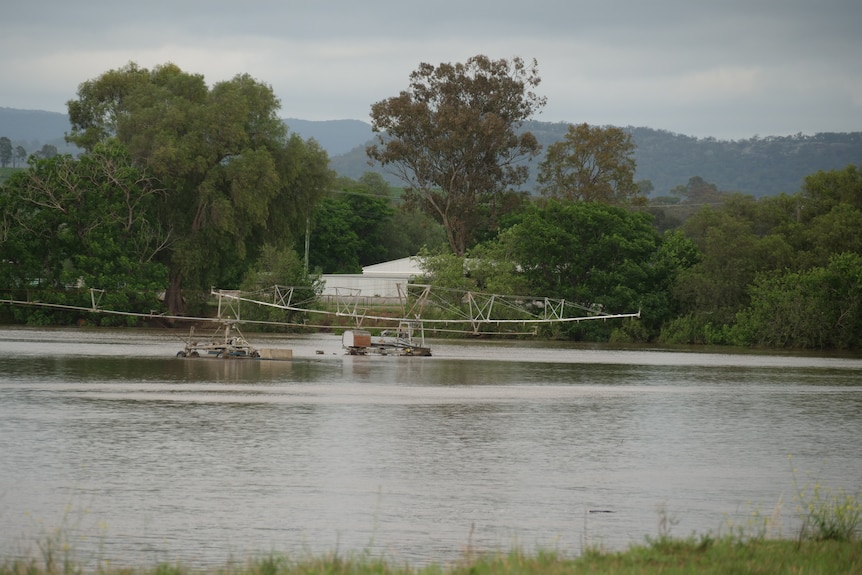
x=307 y=240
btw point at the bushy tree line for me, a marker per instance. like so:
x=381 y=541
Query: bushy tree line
x=606 y=258
x=183 y=187
x=180 y=188
x=778 y=271
x=783 y=271
x=729 y=269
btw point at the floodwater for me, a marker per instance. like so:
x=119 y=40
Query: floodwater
x=111 y=445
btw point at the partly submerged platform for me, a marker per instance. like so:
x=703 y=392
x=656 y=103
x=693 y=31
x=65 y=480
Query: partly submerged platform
x=230 y=347
x=270 y=354
x=361 y=342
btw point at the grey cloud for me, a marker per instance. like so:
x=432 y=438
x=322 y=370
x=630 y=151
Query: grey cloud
x=728 y=69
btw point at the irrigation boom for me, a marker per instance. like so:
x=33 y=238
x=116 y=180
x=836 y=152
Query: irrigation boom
x=420 y=305
x=435 y=305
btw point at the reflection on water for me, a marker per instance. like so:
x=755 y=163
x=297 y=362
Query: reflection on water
x=105 y=434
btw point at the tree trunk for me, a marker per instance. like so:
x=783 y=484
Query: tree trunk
x=174 y=294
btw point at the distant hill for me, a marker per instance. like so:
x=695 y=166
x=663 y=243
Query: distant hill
x=760 y=166
x=757 y=166
x=26 y=125
x=32 y=129
x=335 y=136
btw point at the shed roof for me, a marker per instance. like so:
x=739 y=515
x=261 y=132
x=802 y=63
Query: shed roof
x=406 y=267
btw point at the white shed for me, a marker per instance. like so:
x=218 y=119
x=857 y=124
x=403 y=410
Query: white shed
x=375 y=281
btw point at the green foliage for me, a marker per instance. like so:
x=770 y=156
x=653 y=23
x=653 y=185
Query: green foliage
x=837 y=231
x=630 y=331
x=733 y=253
x=452 y=277
x=493 y=269
x=686 y=200
x=693 y=329
x=233 y=180
x=444 y=269
x=824 y=190
x=453 y=138
x=410 y=231
x=88 y=222
x=279 y=276
x=777 y=272
x=278 y=266
x=702 y=555
x=334 y=245
x=589 y=253
x=698 y=191
x=371 y=220
x=6 y=173
x=817 y=308
x=735 y=243
x=6 y=152
x=305 y=178
x=829 y=211
x=827 y=514
x=407 y=230
x=591 y=164
x=358 y=226
x=595 y=255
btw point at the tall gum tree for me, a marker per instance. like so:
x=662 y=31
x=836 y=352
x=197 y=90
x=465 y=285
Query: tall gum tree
x=233 y=179
x=591 y=164
x=453 y=137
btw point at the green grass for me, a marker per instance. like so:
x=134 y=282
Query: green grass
x=665 y=556
x=827 y=513
x=828 y=542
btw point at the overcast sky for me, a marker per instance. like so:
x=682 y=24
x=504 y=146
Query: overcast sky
x=724 y=68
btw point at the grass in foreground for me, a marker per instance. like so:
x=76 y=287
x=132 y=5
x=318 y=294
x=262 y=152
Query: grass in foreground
x=828 y=543
x=665 y=556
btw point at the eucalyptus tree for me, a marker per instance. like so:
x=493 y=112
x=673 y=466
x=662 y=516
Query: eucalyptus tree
x=591 y=164
x=5 y=151
x=20 y=157
x=48 y=151
x=453 y=137
x=232 y=179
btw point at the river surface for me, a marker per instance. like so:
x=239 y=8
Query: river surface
x=113 y=446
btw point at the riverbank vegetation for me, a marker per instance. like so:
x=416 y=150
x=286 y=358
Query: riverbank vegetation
x=184 y=187
x=663 y=556
x=827 y=541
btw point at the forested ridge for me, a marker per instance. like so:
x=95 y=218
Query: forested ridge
x=758 y=166
x=761 y=165
x=182 y=187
